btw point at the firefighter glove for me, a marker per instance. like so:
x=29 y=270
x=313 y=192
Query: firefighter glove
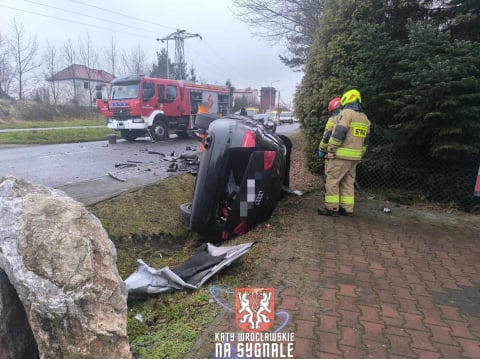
x=320 y=153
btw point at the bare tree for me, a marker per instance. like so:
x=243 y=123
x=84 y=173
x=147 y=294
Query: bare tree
x=135 y=62
x=24 y=50
x=110 y=56
x=70 y=59
x=52 y=66
x=6 y=70
x=89 y=58
x=294 y=21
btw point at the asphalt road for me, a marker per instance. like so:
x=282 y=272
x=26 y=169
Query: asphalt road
x=94 y=171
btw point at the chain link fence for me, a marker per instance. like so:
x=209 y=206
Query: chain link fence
x=408 y=176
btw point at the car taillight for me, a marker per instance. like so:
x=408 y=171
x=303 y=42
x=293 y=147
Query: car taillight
x=268 y=159
x=248 y=139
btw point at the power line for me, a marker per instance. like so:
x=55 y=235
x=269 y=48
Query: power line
x=70 y=21
x=110 y=11
x=90 y=16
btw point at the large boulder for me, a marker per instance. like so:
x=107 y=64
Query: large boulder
x=60 y=292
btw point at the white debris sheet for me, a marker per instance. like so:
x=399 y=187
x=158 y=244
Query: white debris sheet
x=207 y=260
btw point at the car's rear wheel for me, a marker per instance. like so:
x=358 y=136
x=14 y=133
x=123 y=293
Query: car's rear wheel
x=288 y=144
x=185 y=212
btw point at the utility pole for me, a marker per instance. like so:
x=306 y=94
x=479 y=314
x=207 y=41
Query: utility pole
x=179 y=36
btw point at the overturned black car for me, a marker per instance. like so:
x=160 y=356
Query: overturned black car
x=242 y=173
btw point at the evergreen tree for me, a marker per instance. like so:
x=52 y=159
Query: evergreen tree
x=159 y=69
x=437 y=109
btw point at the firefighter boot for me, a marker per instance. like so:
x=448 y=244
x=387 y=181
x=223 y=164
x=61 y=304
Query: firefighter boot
x=327 y=212
x=344 y=212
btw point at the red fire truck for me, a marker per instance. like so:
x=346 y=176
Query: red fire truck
x=138 y=106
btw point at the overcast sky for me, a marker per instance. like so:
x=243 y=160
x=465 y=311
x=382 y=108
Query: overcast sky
x=227 y=48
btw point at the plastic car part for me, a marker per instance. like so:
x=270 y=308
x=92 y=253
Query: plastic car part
x=207 y=260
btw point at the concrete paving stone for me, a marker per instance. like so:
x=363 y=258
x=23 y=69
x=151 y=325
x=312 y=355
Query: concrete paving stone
x=347 y=290
x=415 y=279
x=328 y=343
x=373 y=332
x=304 y=348
x=352 y=352
x=305 y=329
x=351 y=337
x=376 y=350
x=414 y=321
x=395 y=330
x=370 y=314
x=347 y=303
x=385 y=295
x=382 y=284
x=329 y=294
x=323 y=355
x=409 y=306
x=290 y=302
x=329 y=323
x=470 y=348
x=421 y=340
x=403 y=293
x=308 y=313
x=449 y=351
x=449 y=312
x=424 y=354
x=400 y=345
x=461 y=330
x=441 y=335
x=433 y=316
x=350 y=319
x=389 y=310
x=328 y=306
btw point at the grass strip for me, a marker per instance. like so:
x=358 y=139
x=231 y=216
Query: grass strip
x=49 y=124
x=54 y=136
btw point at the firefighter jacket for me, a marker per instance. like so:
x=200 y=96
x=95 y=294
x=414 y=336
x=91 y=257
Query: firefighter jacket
x=349 y=138
x=331 y=122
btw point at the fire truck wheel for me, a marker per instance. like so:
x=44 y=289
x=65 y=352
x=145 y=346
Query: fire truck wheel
x=185 y=213
x=129 y=135
x=159 y=130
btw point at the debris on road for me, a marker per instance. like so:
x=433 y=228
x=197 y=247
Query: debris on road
x=116 y=177
x=125 y=165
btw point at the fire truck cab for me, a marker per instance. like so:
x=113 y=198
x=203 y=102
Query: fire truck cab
x=138 y=106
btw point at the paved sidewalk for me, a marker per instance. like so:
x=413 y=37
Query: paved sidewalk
x=373 y=286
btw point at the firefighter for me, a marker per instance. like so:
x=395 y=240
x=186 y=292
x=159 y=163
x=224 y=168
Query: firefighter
x=334 y=107
x=345 y=149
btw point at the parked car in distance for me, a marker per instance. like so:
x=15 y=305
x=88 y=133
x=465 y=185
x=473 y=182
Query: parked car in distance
x=243 y=170
x=266 y=120
x=286 y=117
x=273 y=115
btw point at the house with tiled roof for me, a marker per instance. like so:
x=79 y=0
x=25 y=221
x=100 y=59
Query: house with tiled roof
x=76 y=84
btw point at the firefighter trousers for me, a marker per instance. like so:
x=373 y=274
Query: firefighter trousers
x=340 y=186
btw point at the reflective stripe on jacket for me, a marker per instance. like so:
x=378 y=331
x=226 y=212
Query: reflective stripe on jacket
x=332 y=121
x=349 y=134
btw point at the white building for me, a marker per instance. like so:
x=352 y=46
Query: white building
x=76 y=84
